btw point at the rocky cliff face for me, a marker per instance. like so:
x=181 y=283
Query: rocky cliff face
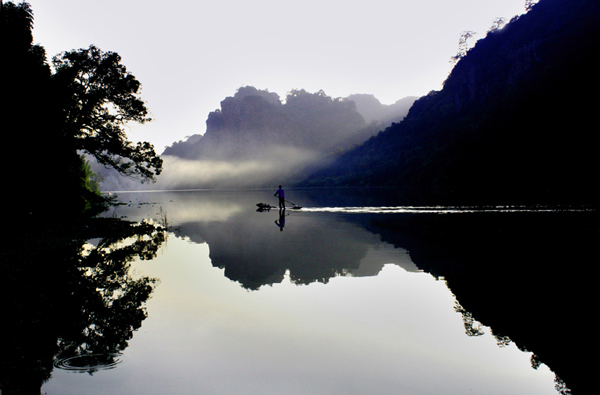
x=252 y=122
x=245 y=126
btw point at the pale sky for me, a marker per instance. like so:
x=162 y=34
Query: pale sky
x=189 y=55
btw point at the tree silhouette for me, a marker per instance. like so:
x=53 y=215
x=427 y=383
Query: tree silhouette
x=463 y=46
x=54 y=117
x=497 y=24
x=98 y=97
x=529 y=4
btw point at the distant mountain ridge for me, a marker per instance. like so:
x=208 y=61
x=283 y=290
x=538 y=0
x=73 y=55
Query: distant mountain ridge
x=372 y=110
x=253 y=121
x=512 y=122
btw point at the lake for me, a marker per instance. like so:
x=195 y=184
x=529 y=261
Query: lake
x=354 y=293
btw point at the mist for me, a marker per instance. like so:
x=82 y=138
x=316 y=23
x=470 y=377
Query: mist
x=276 y=165
x=257 y=140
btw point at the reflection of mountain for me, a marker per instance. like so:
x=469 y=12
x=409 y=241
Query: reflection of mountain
x=524 y=275
x=380 y=254
x=253 y=251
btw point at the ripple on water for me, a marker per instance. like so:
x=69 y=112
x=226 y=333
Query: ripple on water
x=89 y=363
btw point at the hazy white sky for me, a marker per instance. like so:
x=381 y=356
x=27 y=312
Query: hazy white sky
x=189 y=55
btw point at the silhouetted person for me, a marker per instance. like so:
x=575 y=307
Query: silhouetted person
x=281 y=221
x=281 y=196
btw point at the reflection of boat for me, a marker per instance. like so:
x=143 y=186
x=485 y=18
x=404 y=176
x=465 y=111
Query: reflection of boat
x=264 y=206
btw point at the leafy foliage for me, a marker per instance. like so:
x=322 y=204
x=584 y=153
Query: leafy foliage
x=98 y=98
x=53 y=117
x=463 y=46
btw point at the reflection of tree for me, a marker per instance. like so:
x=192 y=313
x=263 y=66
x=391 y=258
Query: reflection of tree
x=62 y=298
x=472 y=327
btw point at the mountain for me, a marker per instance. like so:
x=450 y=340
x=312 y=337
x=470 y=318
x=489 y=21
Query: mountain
x=256 y=139
x=372 y=110
x=511 y=124
x=180 y=148
x=253 y=121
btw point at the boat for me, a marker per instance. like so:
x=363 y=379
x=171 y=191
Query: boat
x=267 y=206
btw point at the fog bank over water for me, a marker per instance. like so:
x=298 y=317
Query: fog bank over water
x=274 y=165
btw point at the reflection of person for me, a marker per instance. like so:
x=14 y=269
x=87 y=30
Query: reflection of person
x=281 y=221
x=281 y=196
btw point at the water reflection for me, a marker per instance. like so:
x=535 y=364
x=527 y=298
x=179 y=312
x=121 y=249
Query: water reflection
x=67 y=303
x=312 y=248
x=281 y=221
x=525 y=275
x=514 y=269
x=516 y=272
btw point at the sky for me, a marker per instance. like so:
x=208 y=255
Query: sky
x=189 y=55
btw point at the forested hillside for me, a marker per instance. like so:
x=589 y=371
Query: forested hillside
x=513 y=122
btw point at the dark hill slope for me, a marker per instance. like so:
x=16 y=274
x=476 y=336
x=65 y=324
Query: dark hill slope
x=513 y=122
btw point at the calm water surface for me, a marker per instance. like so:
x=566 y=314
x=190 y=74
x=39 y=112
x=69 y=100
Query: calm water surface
x=320 y=305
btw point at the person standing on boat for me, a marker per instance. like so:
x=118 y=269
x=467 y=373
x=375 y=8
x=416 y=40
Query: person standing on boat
x=281 y=196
